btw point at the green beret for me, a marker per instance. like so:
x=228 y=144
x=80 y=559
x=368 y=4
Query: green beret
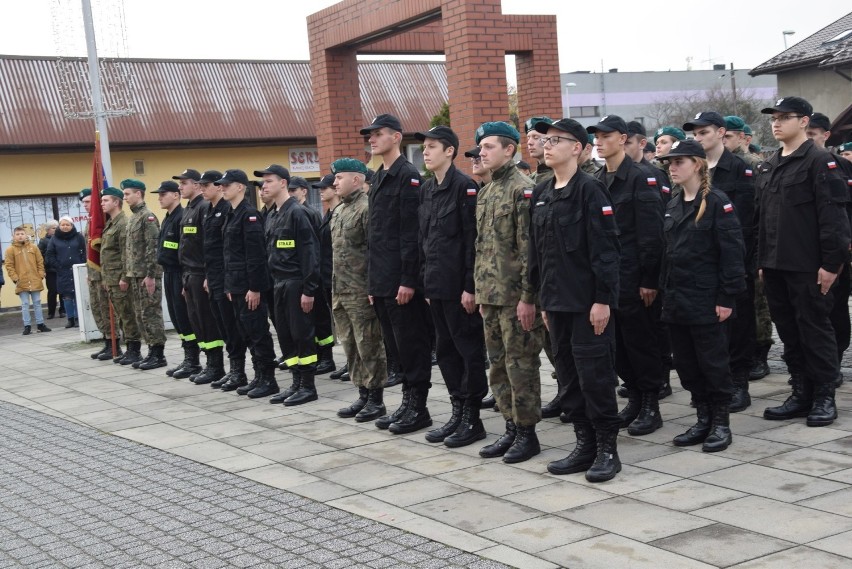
x=530 y=124
x=348 y=165
x=83 y=193
x=114 y=192
x=754 y=147
x=131 y=183
x=670 y=131
x=591 y=138
x=747 y=130
x=734 y=123
x=497 y=129
x=845 y=147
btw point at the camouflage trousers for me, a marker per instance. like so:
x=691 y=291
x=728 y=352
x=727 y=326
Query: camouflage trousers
x=514 y=358
x=761 y=314
x=125 y=315
x=149 y=310
x=360 y=334
x=99 y=304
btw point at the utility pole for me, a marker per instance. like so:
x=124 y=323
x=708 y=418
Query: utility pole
x=97 y=94
x=734 y=89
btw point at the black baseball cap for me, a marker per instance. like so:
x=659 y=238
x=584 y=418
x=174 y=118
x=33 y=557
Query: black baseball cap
x=472 y=153
x=443 y=133
x=609 y=123
x=819 y=120
x=209 y=176
x=569 y=126
x=327 y=181
x=635 y=127
x=708 y=118
x=167 y=186
x=276 y=169
x=188 y=174
x=689 y=147
x=649 y=147
x=795 y=105
x=233 y=176
x=382 y=121
x=298 y=182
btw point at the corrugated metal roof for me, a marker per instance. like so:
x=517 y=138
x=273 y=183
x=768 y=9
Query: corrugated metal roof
x=815 y=50
x=192 y=102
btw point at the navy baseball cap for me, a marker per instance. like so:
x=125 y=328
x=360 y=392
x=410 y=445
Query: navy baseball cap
x=688 y=147
x=609 y=123
x=635 y=127
x=443 y=133
x=795 y=105
x=166 y=187
x=276 y=169
x=819 y=120
x=709 y=118
x=327 y=181
x=569 y=126
x=233 y=176
x=297 y=182
x=188 y=174
x=382 y=121
x=209 y=176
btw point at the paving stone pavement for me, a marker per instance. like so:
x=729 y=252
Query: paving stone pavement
x=780 y=496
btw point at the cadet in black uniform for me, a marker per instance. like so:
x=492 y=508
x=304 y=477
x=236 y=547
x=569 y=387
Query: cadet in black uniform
x=447 y=241
x=639 y=216
x=246 y=276
x=573 y=266
x=802 y=243
x=167 y=257
x=731 y=175
x=191 y=254
x=703 y=276
x=394 y=272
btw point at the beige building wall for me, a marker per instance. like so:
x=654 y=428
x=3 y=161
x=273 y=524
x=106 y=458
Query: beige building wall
x=828 y=92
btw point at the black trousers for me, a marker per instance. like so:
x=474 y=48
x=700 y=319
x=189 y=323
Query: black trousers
x=702 y=360
x=52 y=295
x=662 y=336
x=840 y=311
x=801 y=314
x=637 y=347
x=585 y=363
x=404 y=327
x=226 y=321
x=295 y=328
x=742 y=331
x=322 y=319
x=459 y=343
x=200 y=315
x=254 y=329
x=176 y=304
x=268 y=296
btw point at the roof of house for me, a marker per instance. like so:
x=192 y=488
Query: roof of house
x=828 y=48
x=195 y=102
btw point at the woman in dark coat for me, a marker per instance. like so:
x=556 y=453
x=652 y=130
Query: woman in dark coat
x=66 y=249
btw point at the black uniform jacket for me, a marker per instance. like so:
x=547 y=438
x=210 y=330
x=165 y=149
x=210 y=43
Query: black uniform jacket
x=661 y=179
x=704 y=262
x=293 y=247
x=192 y=235
x=167 y=247
x=574 y=247
x=801 y=201
x=393 y=257
x=214 y=242
x=736 y=179
x=325 y=250
x=244 y=251
x=639 y=217
x=448 y=235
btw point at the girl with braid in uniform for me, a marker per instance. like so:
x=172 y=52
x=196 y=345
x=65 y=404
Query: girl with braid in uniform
x=703 y=272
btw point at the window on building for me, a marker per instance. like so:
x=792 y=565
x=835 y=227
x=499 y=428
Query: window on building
x=414 y=153
x=139 y=167
x=584 y=111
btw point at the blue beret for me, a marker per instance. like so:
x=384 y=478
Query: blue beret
x=348 y=165
x=497 y=129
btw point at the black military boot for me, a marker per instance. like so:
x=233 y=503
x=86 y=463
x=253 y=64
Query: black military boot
x=192 y=359
x=824 y=411
x=107 y=347
x=395 y=375
x=470 y=427
x=279 y=362
x=238 y=380
x=356 y=406
x=374 y=408
x=632 y=409
x=622 y=390
x=720 y=428
x=171 y=371
x=339 y=373
x=583 y=455
x=235 y=366
x=251 y=384
x=295 y=384
x=326 y=360
x=665 y=390
x=135 y=365
x=525 y=446
x=649 y=418
x=760 y=369
x=416 y=417
x=215 y=369
x=266 y=386
x=552 y=409
x=307 y=391
x=741 y=399
x=108 y=354
x=133 y=353
x=607 y=463
x=500 y=446
x=158 y=359
x=697 y=432
x=438 y=435
x=488 y=403
x=385 y=422
x=799 y=403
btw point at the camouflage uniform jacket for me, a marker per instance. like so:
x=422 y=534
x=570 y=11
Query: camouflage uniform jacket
x=590 y=167
x=350 y=224
x=502 y=240
x=751 y=159
x=93 y=274
x=542 y=173
x=142 y=241
x=112 y=249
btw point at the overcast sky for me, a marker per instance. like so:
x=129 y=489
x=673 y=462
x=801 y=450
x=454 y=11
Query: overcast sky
x=628 y=35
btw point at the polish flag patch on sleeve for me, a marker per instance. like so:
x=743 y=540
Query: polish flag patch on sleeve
x=252 y=218
x=471 y=192
x=666 y=190
x=606 y=210
x=652 y=181
x=415 y=182
x=832 y=165
x=528 y=194
x=151 y=218
x=748 y=173
x=728 y=208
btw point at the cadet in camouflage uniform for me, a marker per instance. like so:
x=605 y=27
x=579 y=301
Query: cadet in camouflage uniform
x=587 y=163
x=112 y=268
x=356 y=322
x=143 y=274
x=513 y=325
x=98 y=299
x=542 y=173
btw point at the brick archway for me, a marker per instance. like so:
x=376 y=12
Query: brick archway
x=474 y=35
